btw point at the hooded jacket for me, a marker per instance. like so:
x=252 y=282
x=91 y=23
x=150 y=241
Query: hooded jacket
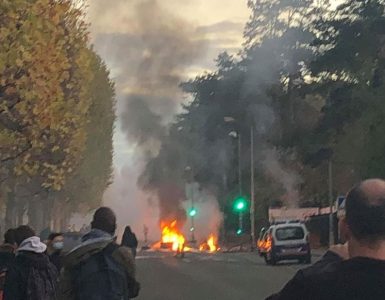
x=31 y=276
x=92 y=243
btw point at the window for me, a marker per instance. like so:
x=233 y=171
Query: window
x=290 y=233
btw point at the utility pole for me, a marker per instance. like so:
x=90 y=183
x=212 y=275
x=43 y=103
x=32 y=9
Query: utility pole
x=331 y=203
x=252 y=192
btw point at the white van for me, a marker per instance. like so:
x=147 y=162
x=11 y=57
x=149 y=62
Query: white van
x=286 y=241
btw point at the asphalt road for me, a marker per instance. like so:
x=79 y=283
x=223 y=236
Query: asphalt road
x=235 y=276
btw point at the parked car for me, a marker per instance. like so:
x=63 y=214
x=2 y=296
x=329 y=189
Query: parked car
x=285 y=241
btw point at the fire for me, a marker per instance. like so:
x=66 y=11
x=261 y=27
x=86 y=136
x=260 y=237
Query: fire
x=210 y=245
x=171 y=235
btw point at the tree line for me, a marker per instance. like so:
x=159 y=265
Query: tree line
x=310 y=81
x=56 y=114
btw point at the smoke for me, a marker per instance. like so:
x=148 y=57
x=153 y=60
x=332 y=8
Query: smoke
x=150 y=51
x=287 y=178
x=266 y=67
x=140 y=212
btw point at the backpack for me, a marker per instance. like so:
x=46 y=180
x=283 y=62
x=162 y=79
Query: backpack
x=3 y=273
x=7 y=259
x=100 y=277
x=42 y=283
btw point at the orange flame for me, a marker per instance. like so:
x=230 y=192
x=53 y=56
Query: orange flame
x=210 y=245
x=171 y=235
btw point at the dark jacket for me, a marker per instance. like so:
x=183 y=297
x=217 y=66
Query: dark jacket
x=354 y=279
x=129 y=239
x=56 y=260
x=25 y=267
x=326 y=264
x=7 y=255
x=92 y=243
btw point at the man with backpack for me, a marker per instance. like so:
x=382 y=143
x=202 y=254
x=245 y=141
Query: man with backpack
x=31 y=276
x=7 y=257
x=98 y=268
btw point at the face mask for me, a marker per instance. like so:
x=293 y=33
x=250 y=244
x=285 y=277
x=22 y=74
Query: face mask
x=58 y=245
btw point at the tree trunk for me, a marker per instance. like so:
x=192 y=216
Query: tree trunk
x=35 y=213
x=10 y=211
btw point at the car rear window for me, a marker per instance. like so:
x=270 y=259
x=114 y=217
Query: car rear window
x=290 y=233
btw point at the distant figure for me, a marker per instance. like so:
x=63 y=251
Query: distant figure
x=99 y=268
x=7 y=257
x=129 y=240
x=32 y=276
x=55 y=246
x=145 y=232
x=44 y=234
x=362 y=275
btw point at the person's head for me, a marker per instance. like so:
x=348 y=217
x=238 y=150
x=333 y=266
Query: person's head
x=22 y=233
x=9 y=237
x=104 y=219
x=55 y=241
x=364 y=222
x=128 y=229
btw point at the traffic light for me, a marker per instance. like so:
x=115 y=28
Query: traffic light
x=239 y=231
x=240 y=204
x=192 y=212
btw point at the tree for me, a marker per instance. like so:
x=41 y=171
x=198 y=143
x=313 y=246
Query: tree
x=48 y=98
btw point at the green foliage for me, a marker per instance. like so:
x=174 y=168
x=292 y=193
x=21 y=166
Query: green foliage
x=56 y=103
x=311 y=82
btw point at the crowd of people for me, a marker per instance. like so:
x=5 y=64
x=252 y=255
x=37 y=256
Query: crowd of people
x=99 y=268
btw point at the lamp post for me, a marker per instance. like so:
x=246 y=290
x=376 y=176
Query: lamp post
x=252 y=179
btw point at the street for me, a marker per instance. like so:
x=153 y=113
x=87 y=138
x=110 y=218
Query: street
x=209 y=276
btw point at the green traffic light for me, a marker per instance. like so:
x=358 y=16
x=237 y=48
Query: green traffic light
x=240 y=204
x=192 y=212
x=239 y=231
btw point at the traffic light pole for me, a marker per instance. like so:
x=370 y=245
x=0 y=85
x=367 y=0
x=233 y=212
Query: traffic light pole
x=241 y=221
x=252 y=192
x=240 y=178
x=331 y=203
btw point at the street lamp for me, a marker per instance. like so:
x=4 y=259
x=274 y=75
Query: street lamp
x=252 y=188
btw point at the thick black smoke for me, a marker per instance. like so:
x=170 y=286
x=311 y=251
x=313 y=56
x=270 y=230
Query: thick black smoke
x=150 y=57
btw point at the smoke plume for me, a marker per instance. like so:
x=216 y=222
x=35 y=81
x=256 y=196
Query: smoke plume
x=150 y=53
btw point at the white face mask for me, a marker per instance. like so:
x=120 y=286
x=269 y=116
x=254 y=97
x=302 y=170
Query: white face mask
x=58 y=245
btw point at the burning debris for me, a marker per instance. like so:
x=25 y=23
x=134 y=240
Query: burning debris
x=211 y=245
x=171 y=237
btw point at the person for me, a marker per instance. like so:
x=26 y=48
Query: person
x=7 y=257
x=129 y=240
x=44 y=234
x=31 y=276
x=99 y=268
x=55 y=244
x=362 y=275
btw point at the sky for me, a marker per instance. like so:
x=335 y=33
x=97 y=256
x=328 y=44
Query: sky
x=124 y=33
